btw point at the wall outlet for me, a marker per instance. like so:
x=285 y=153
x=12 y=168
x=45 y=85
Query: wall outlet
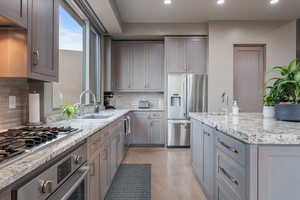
x=12 y=102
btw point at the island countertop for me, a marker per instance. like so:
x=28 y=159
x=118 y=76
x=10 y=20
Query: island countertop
x=252 y=128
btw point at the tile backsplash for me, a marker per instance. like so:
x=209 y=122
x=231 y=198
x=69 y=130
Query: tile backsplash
x=18 y=87
x=131 y=99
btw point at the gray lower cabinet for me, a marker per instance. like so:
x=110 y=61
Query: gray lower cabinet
x=137 y=66
x=197 y=149
x=94 y=176
x=147 y=128
x=278 y=174
x=104 y=171
x=43 y=39
x=203 y=159
x=15 y=11
x=140 y=128
x=105 y=153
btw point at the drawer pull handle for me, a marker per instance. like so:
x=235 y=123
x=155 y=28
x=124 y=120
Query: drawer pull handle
x=228 y=147
x=231 y=178
x=92 y=169
x=206 y=133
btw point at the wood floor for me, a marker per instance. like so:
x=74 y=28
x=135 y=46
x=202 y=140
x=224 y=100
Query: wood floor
x=172 y=176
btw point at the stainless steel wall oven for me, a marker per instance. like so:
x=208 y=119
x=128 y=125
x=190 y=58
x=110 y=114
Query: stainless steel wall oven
x=64 y=180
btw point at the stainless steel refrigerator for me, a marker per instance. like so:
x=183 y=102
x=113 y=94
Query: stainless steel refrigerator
x=186 y=93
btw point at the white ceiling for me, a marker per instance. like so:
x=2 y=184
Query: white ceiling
x=197 y=11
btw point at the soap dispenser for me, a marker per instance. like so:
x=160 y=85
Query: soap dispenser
x=235 y=108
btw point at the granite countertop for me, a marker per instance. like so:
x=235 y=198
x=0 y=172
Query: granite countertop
x=252 y=128
x=147 y=110
x=23 y=166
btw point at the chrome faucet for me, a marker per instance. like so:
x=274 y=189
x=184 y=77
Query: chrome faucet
x=225 y=101
x=87 y=91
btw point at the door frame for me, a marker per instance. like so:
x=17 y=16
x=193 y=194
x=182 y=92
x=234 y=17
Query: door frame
x=264 y=46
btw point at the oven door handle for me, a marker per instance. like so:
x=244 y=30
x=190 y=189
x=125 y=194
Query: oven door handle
x=71 y=184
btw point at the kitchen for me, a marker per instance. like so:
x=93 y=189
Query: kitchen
x=134 y=99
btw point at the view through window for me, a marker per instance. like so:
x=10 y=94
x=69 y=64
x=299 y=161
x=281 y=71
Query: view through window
x=71 y=58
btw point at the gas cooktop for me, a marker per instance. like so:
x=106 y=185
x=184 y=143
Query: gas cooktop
x=17 y=142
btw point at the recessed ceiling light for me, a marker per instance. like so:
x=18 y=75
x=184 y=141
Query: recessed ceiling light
x=167 y=2
x=274 y=1
x=220 y=2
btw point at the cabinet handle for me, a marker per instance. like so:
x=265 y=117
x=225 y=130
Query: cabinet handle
x=105 y=154
x=206 y=133
x=92 y=169
x=231 y=178
x=228 y=147
x=35 y=57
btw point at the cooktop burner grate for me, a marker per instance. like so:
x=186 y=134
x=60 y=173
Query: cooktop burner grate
x=14 y=142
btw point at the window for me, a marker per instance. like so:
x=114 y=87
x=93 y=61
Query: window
x=71 y=58
x=79 y=57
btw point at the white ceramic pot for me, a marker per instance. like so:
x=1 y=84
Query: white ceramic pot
x=269 y=111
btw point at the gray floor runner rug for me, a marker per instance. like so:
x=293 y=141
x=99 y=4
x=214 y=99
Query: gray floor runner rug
x=132 y=182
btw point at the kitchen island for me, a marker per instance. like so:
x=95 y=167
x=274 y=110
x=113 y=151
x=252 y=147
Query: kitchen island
x=246 y=157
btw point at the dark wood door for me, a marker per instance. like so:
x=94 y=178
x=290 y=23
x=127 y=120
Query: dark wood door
x=249 y=68
x=15 y=11
x=44 y=39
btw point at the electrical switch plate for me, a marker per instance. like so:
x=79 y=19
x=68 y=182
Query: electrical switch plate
x=12 y=102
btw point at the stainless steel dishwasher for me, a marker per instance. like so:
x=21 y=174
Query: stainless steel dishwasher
x=179 y=133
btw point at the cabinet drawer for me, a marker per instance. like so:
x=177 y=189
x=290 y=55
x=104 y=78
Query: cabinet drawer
x=231 y=174
x=225 y=193
x=156 y=115
x=233 y=148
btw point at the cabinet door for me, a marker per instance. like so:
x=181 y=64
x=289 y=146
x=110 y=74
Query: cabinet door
x=175 y=54
x=94 y=177
x=104 y=171
x=138 y=67
x=208 y=162
x=121 y=64
x=156 y=132
x=121 y=148
x=154 y=67
x=15 y=10
x=113 y=156
x=197 y=149
x=44 y=39
x=140 y=128
x=196 y=55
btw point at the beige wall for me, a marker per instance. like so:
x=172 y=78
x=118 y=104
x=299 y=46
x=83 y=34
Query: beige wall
x=279 y=38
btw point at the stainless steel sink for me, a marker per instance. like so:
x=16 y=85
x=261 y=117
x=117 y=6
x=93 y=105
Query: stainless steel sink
x=95 y=116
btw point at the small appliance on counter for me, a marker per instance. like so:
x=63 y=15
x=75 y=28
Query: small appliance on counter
x=144 y=104
x=109 y=100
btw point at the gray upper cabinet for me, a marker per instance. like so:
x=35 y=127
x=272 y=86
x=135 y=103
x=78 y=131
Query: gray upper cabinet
x=196 y=55
x=15 y=11
x=137 y=66
x=154 y=66
x=122 y=70
x=43 y=31
x=175 y=54
x=186 y=54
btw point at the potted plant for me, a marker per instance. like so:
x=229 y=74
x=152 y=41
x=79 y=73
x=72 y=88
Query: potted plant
x=69 y=111
x=286 y=92
x=269 y=103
